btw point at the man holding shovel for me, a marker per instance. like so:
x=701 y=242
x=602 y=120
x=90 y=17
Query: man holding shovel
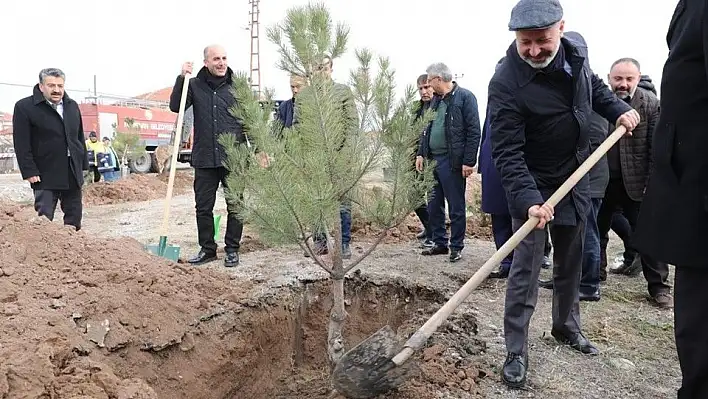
x=541 y=99
x=211 y=98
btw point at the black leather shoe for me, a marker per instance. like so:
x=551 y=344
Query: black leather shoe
x=514 y=371
x=501 y=273
x=577 y=342
x=547 y=284
x=346 y=251
x=201 y=258
x=231 y=259
x=590 y=297
x=319 y=249
x=436 y=250
x=455 y=256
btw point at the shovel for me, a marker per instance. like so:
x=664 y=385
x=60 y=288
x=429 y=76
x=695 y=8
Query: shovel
x=377 y=364
x=162 y=248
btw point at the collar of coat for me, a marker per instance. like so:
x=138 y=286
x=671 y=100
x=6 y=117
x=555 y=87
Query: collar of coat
x=573 y=44
x=437 y=97
x=38 y=96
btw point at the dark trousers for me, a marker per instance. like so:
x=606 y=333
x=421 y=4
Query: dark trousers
x=690 y=326
x=422 y=213
x=449 y=185
x=522 y=283
x=547 y=247
x=502 y=231
x=616 y=198
x=620 y=225
x=590 y=279
x=345 y=218
x=45 y=203
x=206 y=183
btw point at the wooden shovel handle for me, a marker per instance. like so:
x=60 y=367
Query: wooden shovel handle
x=420 y=337
x=173 y=159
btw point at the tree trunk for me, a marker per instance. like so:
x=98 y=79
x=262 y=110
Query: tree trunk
x=338 y=314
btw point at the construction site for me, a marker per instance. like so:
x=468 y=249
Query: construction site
x=92 y=315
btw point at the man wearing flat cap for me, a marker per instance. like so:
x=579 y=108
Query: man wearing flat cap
x=541 y=99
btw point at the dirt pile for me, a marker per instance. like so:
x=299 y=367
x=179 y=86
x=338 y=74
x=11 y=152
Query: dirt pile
x=75 y=306
x=136 y=187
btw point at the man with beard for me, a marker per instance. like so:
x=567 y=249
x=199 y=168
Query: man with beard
x=541 y=100
x=630 y=161
x=48 y=137
x=211 y=97
x=673 y=222
x=425 y=91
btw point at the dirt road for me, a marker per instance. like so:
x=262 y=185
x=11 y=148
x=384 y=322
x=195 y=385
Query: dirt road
x=637 y=358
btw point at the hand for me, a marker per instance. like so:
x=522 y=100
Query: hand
x=186 y=69
x=544 y=213
x=419 y=163
x=467 y=170
x=33 y=179
x=263 y=159
x=629 y=120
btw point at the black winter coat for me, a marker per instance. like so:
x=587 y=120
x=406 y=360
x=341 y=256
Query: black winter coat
x=42 y=138
x=212 y=117
x=600 y=173
x=462 y=129
x=673 y=221
x=541 y=134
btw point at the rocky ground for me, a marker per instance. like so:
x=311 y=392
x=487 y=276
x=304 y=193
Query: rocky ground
x=91 y=315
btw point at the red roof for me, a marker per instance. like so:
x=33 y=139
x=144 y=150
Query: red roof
x=158 y=95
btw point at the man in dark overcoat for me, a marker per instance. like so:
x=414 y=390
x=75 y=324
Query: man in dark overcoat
x=49 y=145
x=541 y=100
x=673 y=220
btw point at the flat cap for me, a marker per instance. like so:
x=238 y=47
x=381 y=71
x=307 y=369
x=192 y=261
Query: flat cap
x=535 y=14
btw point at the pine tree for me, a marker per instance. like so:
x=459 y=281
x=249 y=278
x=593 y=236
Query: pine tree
x=340 y=135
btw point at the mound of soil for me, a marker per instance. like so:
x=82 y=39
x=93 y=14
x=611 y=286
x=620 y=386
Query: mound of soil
x=72 y=303
x=136 y=187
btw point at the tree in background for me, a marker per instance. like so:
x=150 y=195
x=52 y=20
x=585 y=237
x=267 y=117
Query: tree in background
x=320 y=162
x=125 y=142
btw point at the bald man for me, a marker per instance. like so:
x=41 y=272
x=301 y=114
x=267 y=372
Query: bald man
x=211 y=99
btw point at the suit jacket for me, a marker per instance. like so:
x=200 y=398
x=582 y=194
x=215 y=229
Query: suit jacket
x=673 y=223
x=47 y=145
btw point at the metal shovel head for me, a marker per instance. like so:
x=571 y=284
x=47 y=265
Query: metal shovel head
x=366 y=370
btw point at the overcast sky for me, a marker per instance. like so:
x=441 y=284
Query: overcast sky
x=139 y=45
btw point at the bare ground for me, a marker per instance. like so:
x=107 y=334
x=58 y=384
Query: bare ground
x=638 y=357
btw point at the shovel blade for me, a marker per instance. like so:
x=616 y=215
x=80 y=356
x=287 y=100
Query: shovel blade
x=366 y=370
x=165 y=250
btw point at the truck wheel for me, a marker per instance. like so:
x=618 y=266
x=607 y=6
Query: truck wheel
x=141 y=163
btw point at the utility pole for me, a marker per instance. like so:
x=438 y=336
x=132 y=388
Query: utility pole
x=255 y=77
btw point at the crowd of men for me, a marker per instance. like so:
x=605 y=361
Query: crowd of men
x=547 y=111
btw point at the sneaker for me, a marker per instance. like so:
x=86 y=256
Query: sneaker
x=427 y=244
x=455 y=255
x=346 y=251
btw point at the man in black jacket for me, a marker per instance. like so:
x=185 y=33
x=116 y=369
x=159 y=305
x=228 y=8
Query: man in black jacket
x=541 y=100
x=211 y=98
x=49 y=144
x=673 y=220
x=452 y=140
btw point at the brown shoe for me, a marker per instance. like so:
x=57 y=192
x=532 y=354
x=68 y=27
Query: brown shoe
x=664 y=300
